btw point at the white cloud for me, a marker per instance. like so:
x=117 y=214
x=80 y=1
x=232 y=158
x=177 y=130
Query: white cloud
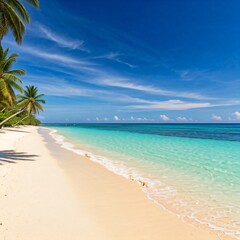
x=171 y=105
x=116 y=118
x=216 y=118
x=183 y=119
x=97 y=118
x=54 y=86
x=237 y=115
x=99 y=78
x=114 y=56
x=55 y=57
x=51 y=56
x=189 y=75
x=141 y=119
x=129 y=84
x=164 y=118
x=58 y=87
x=60 y=40
x=175 y=104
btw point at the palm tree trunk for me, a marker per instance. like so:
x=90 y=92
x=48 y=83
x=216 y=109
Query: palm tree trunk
x=20 y=121
x=7 y=119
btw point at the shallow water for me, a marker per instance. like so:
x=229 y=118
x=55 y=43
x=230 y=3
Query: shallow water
x=192 y=170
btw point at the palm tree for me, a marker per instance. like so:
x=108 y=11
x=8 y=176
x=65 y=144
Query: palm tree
x=13 y=15
x=20 y=121
x=30 y=101
x=9 y=79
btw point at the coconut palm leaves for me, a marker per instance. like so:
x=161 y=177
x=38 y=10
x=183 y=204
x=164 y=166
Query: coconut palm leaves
x=31 y=101
x=13 y=16
x=9 y=78
x=3 y=105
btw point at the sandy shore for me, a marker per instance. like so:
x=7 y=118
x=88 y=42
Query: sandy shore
x=57 y=195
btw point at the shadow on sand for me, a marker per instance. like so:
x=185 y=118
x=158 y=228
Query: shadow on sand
x=10 y=156
x=4 y=130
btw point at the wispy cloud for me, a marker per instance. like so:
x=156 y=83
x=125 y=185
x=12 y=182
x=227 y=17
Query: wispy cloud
x=113 y=36
x=56 y=86
x=193 y=74
x=131 y=84
x=174 y=105
x=47 y=55
x=114 y=56
x=53 y=86
x=62 y=41
x=51 y=56
x=102 y=79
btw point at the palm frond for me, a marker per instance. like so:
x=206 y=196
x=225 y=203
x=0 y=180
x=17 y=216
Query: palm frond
x=34 y=3
x=13 y=16
x=4 y=94
x=15 y=85
x=39 y=106
x=17 y=72
x=15 y=23
x=9 y=76
x=39 y=96
x=30 y=100
x=20 y=9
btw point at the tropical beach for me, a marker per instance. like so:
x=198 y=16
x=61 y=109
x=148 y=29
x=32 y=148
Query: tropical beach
x=119 y=120
x=58 y=195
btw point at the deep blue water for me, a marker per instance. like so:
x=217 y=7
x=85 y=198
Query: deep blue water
x=229 y=132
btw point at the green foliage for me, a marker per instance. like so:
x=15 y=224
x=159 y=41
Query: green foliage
x=9 y=78
x=13 y=16
x=30 y=100
x=29 y=103
x=28 y=119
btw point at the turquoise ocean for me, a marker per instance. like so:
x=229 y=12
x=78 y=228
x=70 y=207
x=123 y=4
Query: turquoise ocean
x=191 y=170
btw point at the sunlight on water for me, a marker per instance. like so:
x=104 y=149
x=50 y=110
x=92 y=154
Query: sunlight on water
x=191 y=170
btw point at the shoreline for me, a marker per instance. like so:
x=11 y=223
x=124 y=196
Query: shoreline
x=59 y=195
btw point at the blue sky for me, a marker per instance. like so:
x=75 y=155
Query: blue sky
x=134 y=61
